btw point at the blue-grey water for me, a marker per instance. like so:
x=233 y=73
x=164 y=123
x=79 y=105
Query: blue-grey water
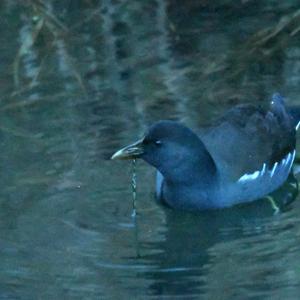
x=80 y=79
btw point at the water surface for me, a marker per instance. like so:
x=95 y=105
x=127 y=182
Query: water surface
x=81 y=79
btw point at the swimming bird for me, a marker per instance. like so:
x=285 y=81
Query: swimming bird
x=247 y=154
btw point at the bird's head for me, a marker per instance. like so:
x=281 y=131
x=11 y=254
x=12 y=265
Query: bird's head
x=168 y=145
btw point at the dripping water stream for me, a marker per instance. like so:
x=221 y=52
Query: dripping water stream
x=133 y=186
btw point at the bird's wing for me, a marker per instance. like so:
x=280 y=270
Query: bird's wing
x=248 y=138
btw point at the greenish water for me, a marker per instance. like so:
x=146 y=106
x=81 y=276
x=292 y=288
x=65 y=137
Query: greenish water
x=79 y=80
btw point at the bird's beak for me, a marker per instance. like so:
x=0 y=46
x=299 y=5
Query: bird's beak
x=132 y=151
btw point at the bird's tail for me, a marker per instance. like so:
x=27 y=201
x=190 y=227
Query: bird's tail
x=279 y=108
x=295 y=113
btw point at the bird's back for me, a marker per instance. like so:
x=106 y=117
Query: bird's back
x=253 y=150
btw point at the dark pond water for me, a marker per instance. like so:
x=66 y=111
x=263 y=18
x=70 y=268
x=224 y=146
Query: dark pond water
x=79 y=80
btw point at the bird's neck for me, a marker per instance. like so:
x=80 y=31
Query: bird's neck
x=190 y=179
x=194 y=189
x=195 y=170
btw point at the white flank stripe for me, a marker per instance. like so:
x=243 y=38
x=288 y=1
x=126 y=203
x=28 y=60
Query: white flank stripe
x=294 y=155
x=263 y=169
x=288 y=158
x=274 y=168
x=297 y=126
x=286 y=162
x=249 y=177
x=292 y=160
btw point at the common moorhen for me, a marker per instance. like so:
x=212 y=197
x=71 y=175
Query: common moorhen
x=245 y=155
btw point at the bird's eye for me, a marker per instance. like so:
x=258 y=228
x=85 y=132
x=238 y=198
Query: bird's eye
x=146 y=142
x=152 y=142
